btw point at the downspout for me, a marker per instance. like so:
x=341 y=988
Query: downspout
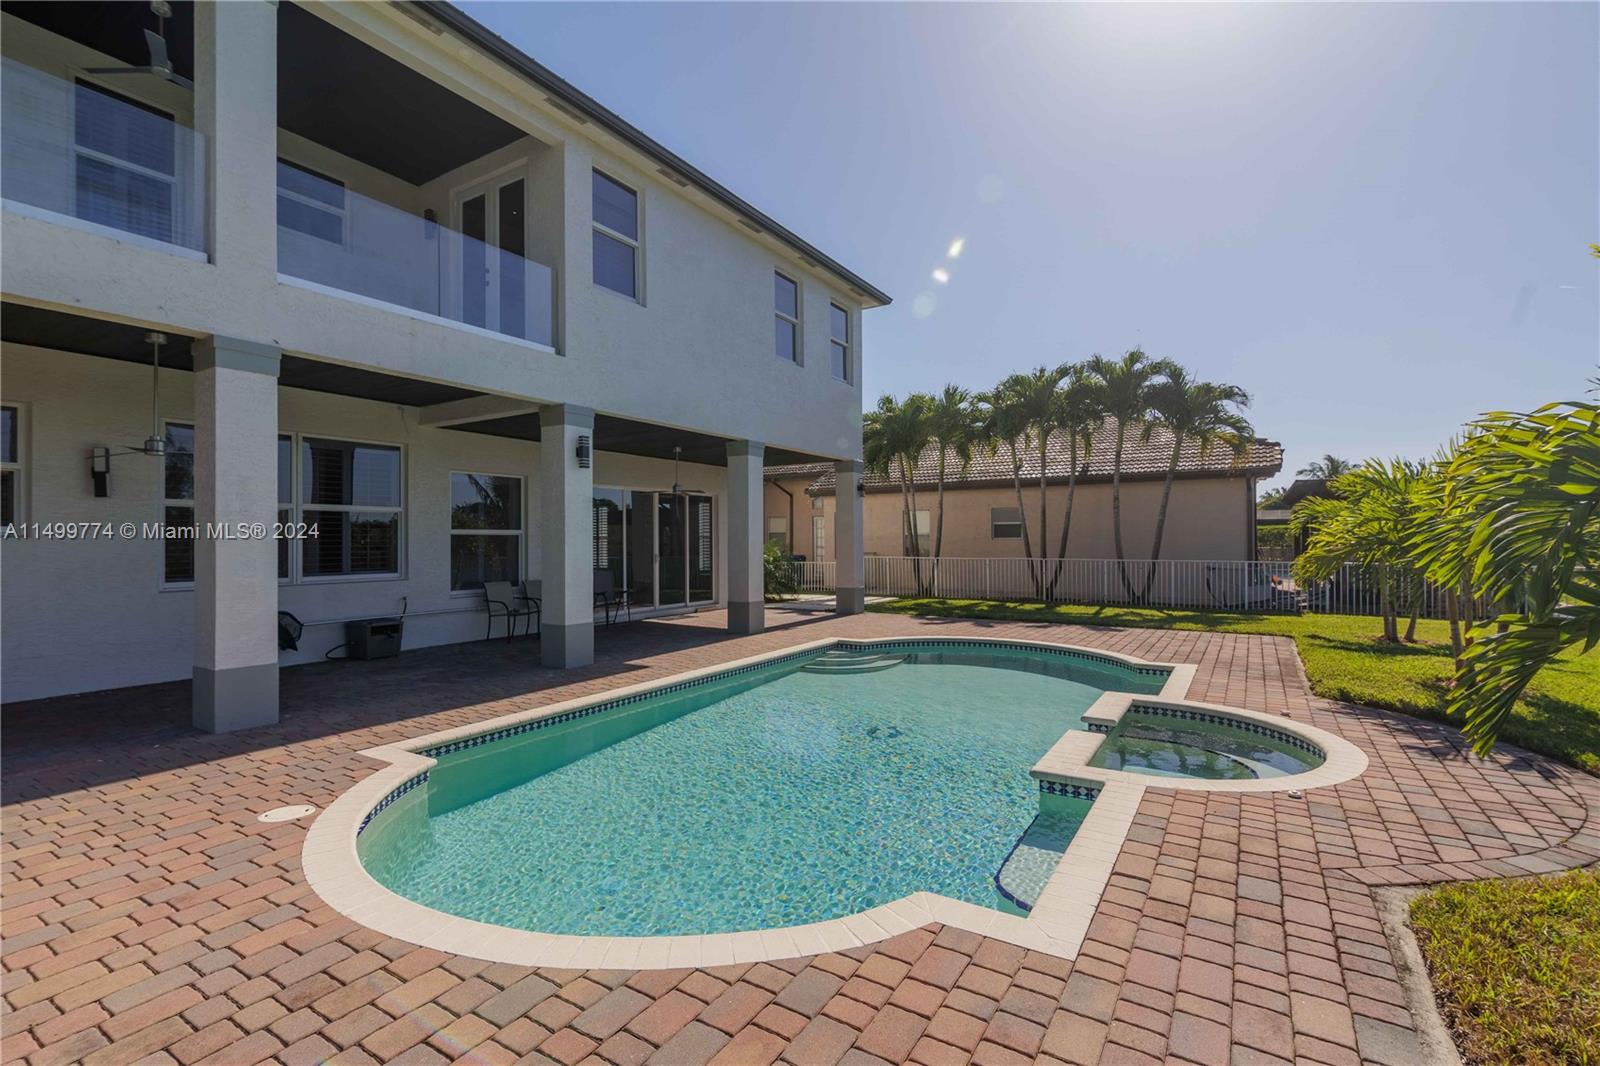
x=1252 y=549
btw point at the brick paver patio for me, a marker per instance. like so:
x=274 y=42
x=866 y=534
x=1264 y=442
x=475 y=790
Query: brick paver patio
x=148 y=917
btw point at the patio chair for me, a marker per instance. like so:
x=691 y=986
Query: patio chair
x=502 y=601
x=609 y=598
x=531 y=595
x=1232 y=588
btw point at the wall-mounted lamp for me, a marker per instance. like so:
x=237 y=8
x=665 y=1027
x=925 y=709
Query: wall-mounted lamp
x=583 y=453
x=100 y=469
x=430 y=224
x=861 y=488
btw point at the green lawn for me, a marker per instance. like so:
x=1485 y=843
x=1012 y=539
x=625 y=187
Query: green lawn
x=1559 y=715
x=1516 y=966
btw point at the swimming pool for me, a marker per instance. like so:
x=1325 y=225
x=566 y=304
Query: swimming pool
x=815 y=799
x=1203 y=746
x=807 y=790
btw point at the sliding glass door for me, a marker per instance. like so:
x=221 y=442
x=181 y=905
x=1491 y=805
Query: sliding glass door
x=659 y=546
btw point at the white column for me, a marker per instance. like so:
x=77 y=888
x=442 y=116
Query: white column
x=746 y=587
x=849 y=575
x=235 y=572
x=236 y=110
x=566 y=536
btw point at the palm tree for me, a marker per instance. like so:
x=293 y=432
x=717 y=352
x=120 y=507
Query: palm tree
x=1196 y=412
x=951 y=426
x=1079 y=412
x=1369 y=521
x=1124 y=388
x=1532 y=485
x=893 y=439
x=1037 y=406
x=1271 y=498
x=1001 y=424
x=1327 y=468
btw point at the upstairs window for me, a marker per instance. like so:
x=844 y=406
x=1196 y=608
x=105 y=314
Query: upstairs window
x=1005 y=523
x=125 y=162
x=616 y=236
x=310 y=203
x=786 y=321
x=839 y=340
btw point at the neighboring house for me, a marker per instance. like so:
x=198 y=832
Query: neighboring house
x=1211 y=514
x=416 y=292
x=1282 y=513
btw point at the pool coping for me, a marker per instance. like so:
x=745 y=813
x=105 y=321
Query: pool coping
x=1057 y=923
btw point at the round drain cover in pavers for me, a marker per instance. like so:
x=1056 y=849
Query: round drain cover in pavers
x=287 y=814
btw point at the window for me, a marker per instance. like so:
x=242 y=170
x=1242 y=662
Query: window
x=786 y=321
x=839 y=341
x=819 y=538
x=778 y=531
x=124 y=162
x=310 y=203
x=177 y=507
x=351 y=493
x=285 y=500
x=1005 y=523
x=485 y=530
x=11 y=468
x=924 y=525
x=616 y=236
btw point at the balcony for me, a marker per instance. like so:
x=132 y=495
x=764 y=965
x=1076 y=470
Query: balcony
x=81 y=150
x=339 y=239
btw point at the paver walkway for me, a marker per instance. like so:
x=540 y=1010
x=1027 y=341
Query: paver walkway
x=149 y=917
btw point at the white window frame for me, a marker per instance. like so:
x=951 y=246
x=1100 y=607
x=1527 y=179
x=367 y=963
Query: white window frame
x=297 y=564
x=520 y=532
x=782 y=533
x=794 y=322
x=922 y=526
x=167 y=501
x=18 y=468
x=819 y=538
x=636 y=243
x=835 y=342
x=296 y=508
x=342 y=211
x=79 y=150
x=994 y=523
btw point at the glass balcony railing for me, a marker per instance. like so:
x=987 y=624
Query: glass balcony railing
x=343 y=240
x=83 y=150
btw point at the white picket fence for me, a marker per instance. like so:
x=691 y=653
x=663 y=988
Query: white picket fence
x=1231 y=585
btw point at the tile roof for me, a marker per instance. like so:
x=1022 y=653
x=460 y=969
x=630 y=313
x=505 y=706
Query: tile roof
x=1141 y=460
x=791 y=470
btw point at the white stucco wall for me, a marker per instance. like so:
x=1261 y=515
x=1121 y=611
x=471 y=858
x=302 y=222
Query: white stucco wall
x=82 y=615
x=695 y=352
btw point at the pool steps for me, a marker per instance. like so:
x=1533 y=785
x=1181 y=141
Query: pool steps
x=835 y=662
x=1033 y=859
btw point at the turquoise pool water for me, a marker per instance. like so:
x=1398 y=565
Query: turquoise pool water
x=1199 y=750
x=776 y=798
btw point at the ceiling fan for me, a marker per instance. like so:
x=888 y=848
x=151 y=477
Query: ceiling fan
x=677 y=489
x=156 y=43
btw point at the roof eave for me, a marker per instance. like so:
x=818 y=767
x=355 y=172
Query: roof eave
x=491 y=43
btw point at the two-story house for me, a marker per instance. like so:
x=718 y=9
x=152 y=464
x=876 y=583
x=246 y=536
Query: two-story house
x=368 y=276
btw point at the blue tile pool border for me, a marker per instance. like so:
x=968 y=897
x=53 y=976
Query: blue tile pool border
x=1185 y=714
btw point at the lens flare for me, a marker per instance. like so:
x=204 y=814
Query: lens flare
x=942 y=276
x=955 y=248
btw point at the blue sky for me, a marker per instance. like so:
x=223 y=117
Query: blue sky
x=1372 y=217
